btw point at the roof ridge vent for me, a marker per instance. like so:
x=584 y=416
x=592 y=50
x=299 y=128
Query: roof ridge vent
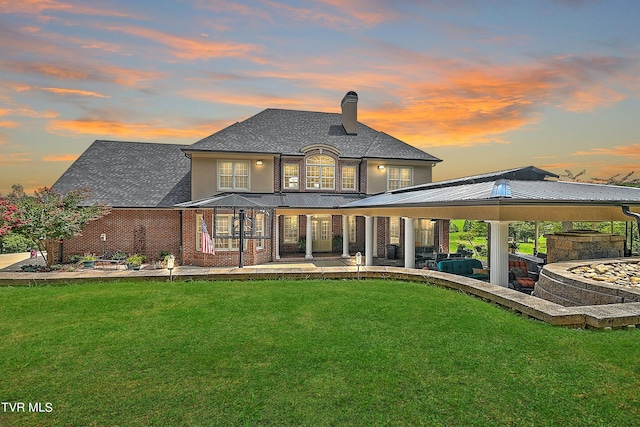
x=501 y=188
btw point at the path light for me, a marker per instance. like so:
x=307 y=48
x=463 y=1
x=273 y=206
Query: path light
x=358 y=263
x=171 y=260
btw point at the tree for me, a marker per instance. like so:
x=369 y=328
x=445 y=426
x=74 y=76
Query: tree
x=48 y=217
x=8 y=218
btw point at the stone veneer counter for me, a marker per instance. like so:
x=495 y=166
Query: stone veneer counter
x=594 y=282
x=583 y=244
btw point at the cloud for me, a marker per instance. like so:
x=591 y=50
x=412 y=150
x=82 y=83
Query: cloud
x=8 y=124
x=9 y=159
x=73 y=92
x=82 y=72
x=37 y=7
x=627 y=151
x=60 y=158
x=107 y=129
x=191 y=48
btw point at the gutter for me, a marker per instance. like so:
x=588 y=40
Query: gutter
x=627 y=212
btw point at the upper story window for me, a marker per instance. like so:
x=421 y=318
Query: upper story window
x=233 y=175
x=291 y=176
x=348 y=177
x=399 y=177
x=321 y=172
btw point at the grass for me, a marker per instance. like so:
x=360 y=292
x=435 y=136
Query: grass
x=303 y=353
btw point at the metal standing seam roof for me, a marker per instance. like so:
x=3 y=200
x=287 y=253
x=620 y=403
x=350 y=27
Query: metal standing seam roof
x=512 y=192
x=274 y=200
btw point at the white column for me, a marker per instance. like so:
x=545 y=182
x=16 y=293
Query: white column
x=368 y=240
x=499 y=253
x=277 y=237
x=409 y=243
x=345 y=236
x=309 y=251
x=375 y=236
x=537 y=238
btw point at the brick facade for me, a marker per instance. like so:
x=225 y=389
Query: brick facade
x=144 y=231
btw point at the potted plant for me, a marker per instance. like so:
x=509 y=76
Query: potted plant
x=135 y=261
x=513 y=246
x=88 y=260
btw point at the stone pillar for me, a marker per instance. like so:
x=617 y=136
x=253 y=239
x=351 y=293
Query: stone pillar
x=409 y=243
x=499 y=253
x=345 y=236
x=368 y=240
x=309 y=251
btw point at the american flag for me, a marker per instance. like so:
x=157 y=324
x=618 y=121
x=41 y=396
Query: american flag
x=207 y=243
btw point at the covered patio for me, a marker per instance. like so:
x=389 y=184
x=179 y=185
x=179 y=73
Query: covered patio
x=523 y=194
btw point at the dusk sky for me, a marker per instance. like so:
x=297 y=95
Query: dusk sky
x=484 y=85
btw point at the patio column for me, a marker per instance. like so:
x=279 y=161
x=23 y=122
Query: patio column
x=368 y=240
x=309 y=251
x=409 y=243
x=499 y=253
x=375 y=236
x=345 y=236
x=277 y=237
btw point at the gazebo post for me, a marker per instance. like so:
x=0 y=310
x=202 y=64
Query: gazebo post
x=499 y=253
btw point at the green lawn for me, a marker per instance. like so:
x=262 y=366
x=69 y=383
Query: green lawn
x=302 y=353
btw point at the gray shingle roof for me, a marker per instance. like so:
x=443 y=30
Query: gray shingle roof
x=130 y=174
x=286 y=132
x=275 y=200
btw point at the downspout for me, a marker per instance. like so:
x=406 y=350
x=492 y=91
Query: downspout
x=181 y=249
x=627 y=212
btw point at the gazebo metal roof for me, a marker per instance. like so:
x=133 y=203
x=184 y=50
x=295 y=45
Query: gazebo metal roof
x=505 y=199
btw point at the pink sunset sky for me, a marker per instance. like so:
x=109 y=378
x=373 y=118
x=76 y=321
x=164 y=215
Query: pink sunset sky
x=484 y=85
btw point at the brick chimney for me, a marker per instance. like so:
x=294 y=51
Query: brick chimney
x=350 y=113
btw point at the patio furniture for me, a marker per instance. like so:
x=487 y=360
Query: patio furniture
x=519 y=277
x=468 y=267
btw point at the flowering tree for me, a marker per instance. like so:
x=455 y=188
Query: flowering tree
x=48 y=217
x=7 y=216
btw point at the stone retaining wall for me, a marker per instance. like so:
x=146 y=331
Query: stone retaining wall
x=558 y=284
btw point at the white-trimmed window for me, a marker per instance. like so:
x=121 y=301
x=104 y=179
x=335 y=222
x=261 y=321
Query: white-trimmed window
x=424 y=232
x=259 y=230
x=348 y=177
x=199 y=232
x=351 y=219
x=399 y=177
x=223 y=227
x=394 y=230
x=233 y=175
x=321 y=172
x=290 y=232
x=291 y=176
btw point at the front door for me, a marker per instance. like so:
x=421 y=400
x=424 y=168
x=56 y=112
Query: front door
x=321 y=232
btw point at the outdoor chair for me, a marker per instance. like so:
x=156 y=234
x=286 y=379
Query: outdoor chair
x=519 y=278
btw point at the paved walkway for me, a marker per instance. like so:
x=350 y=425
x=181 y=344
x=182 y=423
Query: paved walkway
x=595 y=316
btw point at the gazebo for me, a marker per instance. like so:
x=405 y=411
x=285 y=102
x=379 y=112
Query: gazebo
x=499 y=198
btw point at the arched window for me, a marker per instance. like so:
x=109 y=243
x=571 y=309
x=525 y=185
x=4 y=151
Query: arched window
x=321 y=172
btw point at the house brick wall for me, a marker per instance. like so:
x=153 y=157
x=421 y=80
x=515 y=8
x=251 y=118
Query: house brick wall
x=222 y=258
x=144 y=231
